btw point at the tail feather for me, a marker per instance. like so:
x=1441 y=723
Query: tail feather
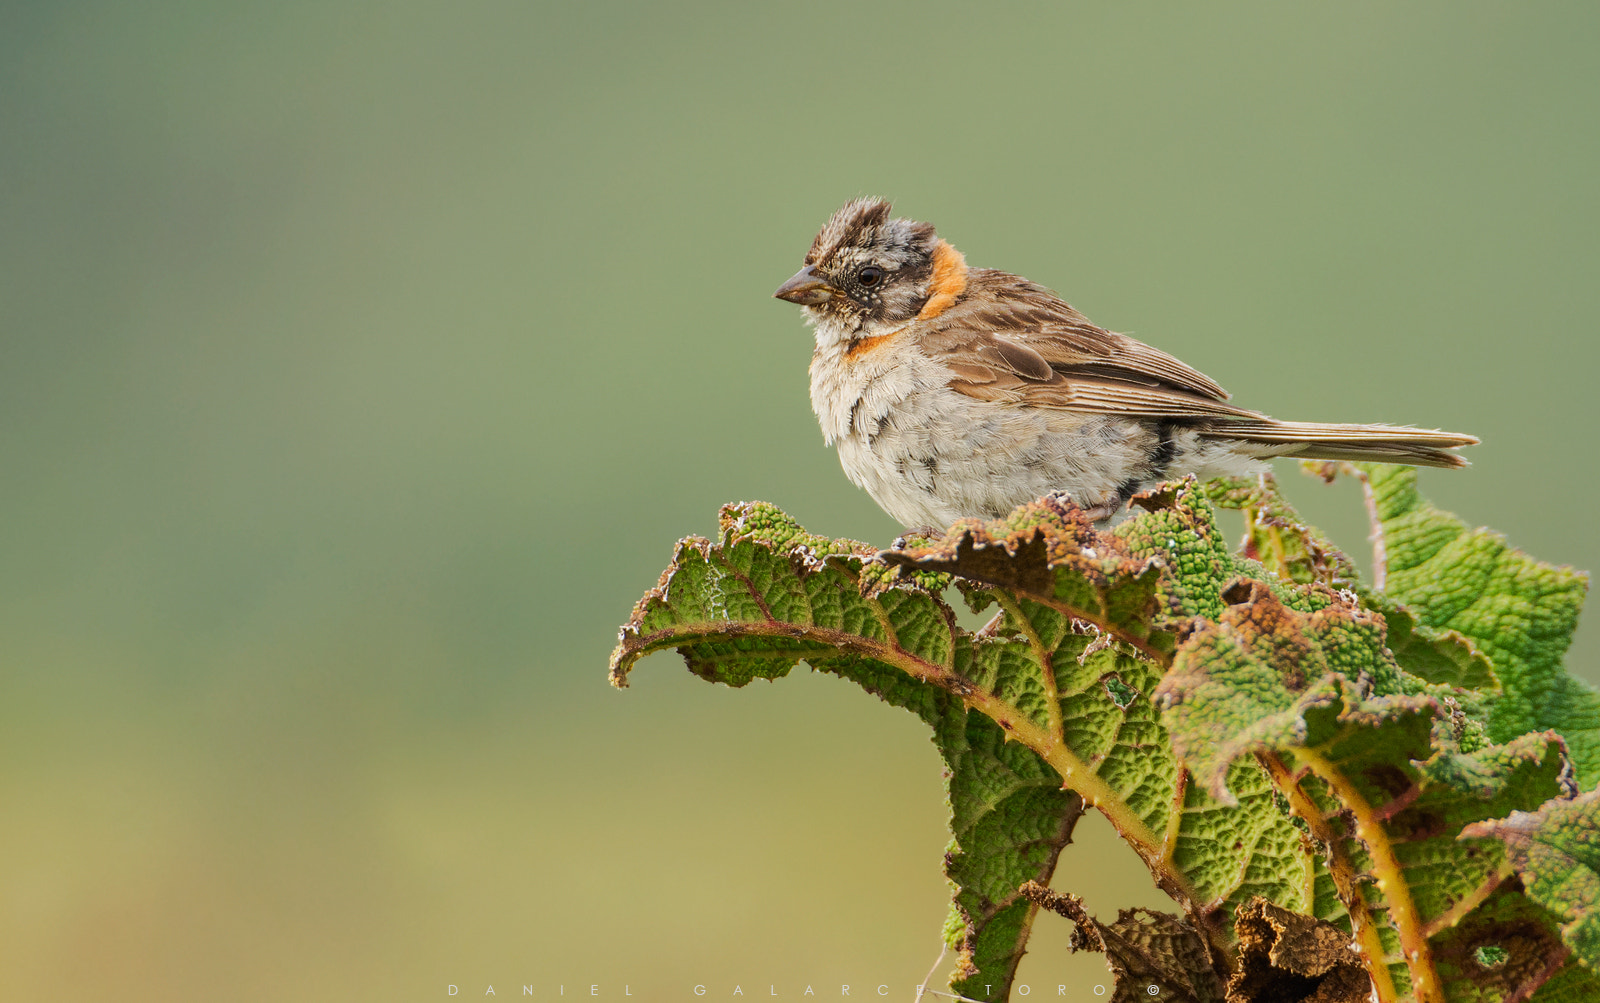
x=1415 y=456
x=1420 y=447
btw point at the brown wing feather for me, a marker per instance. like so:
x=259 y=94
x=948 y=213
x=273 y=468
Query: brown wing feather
x=1105 y=397
x=1011 y=341
x=1041 y=338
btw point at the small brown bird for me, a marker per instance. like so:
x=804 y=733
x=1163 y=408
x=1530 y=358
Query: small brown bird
x=953 y=391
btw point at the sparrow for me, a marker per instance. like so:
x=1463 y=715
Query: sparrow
x=953 y=392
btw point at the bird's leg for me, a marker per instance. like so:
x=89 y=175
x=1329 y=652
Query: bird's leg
x=927 y=533
x=1103 y=511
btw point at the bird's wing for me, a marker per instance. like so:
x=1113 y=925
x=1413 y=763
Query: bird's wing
x=1034 y=322
x=1011 y=340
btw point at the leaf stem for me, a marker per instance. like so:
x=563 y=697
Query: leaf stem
x=1280 y=552
x=1141 y=645
x=1169 y=843
x=1076 y=775
x=1392 y=884
x=1470 y=901
x=1380 y=548
x=1363 y=927
x=922 y=989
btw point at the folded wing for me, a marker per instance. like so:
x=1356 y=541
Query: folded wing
x=1018 y=343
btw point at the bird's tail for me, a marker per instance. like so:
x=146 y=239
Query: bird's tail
x=1417 y=447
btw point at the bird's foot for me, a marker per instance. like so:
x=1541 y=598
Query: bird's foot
x=1104 y=511
x=906 y=539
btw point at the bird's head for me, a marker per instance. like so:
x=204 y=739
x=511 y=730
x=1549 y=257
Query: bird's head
x=866 y=272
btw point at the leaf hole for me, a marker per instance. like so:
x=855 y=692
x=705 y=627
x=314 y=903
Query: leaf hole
x=1120 y=692
x=1239 y=592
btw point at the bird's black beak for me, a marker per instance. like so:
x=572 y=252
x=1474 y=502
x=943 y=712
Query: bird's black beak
x=805 y=288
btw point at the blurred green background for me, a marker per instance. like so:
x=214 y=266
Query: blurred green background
x=361 y=362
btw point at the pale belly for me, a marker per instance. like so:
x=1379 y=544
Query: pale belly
x=938 y=456
x=929 y=455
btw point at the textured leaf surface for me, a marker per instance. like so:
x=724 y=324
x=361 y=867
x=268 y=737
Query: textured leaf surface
x=1509 y=950
x=1439 y=656
x=1262 y=729
x=1057 y=578
x=1178 y=530
x=1518 y=611
x=1149 y=953
x=1277 y=537
x=1049 y=551
x=1284 y=956
x=1054 y=691
x=1265 y=679
x=1556 y=852
x=769 y=595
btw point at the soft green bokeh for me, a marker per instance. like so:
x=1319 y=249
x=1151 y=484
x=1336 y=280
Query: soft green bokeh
x=361 y=362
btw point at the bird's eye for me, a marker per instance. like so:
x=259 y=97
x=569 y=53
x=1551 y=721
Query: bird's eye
x=869 y=276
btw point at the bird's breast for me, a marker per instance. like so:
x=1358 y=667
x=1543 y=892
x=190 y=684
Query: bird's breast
x=859 y=386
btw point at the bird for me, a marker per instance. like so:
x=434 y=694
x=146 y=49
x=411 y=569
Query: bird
x=953 y=392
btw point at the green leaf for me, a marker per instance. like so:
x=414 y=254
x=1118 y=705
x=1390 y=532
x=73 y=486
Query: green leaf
x=1049 y=551
x=1247 y=682
x=1053 y=693
x=1362 y=770
x=769 y=595
x=1518 y=611
x=1439 y=656
x=1178 y=529
x=1056 y=578
x=1277 y=537
x=1251 y=728
x=1556 y=853
x=1009 y=819
x=1510 y=945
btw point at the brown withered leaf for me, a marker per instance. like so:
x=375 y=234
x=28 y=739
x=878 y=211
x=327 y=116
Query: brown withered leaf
x=1153 y=955
x=1285 y=957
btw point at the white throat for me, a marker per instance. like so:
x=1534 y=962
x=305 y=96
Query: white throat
x=833 y=334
